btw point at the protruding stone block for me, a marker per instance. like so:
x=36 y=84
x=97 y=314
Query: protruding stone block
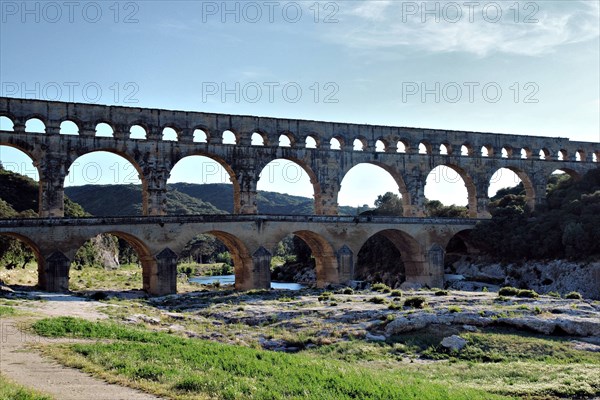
x=54 y=273
x=163 y=275
x=345 y=258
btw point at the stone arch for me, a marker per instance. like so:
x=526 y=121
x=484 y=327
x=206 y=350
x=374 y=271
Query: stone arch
x=100 y=126
x=506 y=152
x=381 y=145
x=325 y=257
x=35 y=119
x=257 y=139
x=242 y=259
x=42 y=279
x=143 y=252
x=308 y=143
x=226 y=166
x=136 y=130
x=403 y=146
x=576 y=175
x=410 y=250
x=336 y=143
x=545 y=154
x=396 y=175
x=530 y=193
x=311 y=175
x=445 y=148
x=487 y=150
x=580 y=155
x=562 y=155
x=285 y=137
x=230 y=136
x=69 y=127
x=425 y=147
x=526 y=153
x=466 y=150
x=200 y=134
x=170 y=133
x=6 y=122
x=360 y=143
x=469 y=185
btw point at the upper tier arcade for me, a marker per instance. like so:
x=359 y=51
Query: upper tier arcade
x=408 y=154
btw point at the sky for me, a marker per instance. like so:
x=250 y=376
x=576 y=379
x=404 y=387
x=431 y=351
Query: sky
x=521 y=67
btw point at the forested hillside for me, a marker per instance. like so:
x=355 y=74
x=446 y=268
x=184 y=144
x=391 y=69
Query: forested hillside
x=186 y=198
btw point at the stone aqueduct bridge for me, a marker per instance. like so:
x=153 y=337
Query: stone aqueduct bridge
x=334 y=240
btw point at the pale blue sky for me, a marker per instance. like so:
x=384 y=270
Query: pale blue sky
x=366 y=58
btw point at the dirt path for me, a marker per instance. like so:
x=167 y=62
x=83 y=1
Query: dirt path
x=31 y=369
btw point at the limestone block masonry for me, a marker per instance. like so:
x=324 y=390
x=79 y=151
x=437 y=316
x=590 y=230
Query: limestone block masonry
x=475 y=156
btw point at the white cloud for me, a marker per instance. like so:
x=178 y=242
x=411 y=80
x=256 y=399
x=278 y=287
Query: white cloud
x=389 y=25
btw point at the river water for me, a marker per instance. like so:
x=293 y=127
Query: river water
x=230 y=280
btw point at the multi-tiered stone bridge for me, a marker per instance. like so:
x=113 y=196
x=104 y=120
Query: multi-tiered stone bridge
x=325 y=150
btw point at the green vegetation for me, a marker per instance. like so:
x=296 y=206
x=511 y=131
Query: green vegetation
x=185 y=199
x=6 y=311
x=396 y=293
x=508 y=291
x=12 y=391
x=415 y=302
x=567 y=227
x=531 y=294
x=381 y=287
x=573 y=296
x=441 y=293
x=184 y=368
x=454 y=309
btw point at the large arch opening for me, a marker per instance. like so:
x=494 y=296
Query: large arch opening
x=202 y=185
x=511 y=181
x=367 y=199
x=303 y=258
x=450 y=192
x=218 y=259
x=390 y=256
x=105 y=183
x=19 y=178
x=559 y=179
x=114 y=261
x=20 y=260
x=290 y=177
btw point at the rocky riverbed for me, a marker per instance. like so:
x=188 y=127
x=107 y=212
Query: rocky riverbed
x=292 y=321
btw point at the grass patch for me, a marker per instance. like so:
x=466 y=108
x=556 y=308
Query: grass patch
x=12 y=391
x=186 y=368
x=7 y=311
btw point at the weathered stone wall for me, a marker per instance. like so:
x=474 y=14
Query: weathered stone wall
x=334 y=242
x=53 y=153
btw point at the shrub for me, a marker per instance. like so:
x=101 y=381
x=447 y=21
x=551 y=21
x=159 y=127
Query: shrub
x=415 y=302
x=396 y=293
x=508 y=291
x=395 y=306
x=381 y=287
x=573 y=296
x=454 y=309
x=325 y=296
x=348 y=290
x=553 y=294
x=441 y=293
x=530 y=294
x=377 y=300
